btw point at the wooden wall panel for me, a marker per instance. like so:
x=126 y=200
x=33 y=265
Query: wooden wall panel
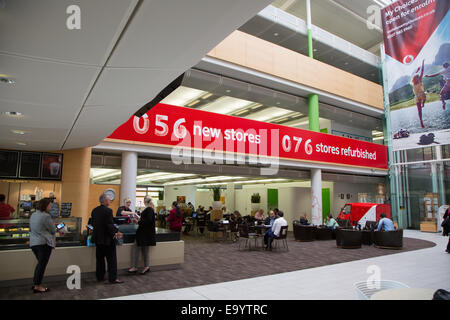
x=251 y=52
x=95 y=190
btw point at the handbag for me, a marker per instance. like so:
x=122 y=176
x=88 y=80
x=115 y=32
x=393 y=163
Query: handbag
x=446 y=222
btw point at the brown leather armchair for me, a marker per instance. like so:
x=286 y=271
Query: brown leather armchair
x=389 y=239
x=323 y=233
x=348 y=239
x=304 y=233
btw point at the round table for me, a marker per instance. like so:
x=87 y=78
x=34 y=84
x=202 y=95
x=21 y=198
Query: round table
x=404 y=294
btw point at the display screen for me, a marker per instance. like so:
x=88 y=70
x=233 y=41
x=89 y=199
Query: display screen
x=51 y=166
x=30 y=164
x=9 y=161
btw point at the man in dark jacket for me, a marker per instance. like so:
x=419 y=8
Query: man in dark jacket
x=104 y=236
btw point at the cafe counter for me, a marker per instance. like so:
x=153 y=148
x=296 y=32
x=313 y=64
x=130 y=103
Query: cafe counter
x=18 y=264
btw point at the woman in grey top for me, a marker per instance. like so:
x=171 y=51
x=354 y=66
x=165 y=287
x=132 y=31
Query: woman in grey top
x=42 y=241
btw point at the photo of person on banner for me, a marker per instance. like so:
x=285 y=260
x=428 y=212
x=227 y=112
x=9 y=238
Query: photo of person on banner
x=419 y=91
x=446 y=89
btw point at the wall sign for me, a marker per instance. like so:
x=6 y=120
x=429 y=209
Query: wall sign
x=172 y=126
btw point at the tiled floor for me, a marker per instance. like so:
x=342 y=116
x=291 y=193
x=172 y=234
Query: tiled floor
x=426 y=268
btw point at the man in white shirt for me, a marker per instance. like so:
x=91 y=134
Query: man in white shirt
x=275 y=231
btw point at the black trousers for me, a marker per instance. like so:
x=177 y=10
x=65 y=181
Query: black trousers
x=42 y=254
x=108 y=252
x=448 y=244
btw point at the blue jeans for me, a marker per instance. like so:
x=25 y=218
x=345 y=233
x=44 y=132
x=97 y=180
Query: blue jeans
x=268 y=238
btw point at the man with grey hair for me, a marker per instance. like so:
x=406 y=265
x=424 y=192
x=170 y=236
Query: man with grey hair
x=104 y=236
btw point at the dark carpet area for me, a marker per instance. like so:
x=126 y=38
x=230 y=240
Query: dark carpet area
x=208 y=262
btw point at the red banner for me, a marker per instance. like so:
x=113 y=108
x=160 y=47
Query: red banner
x=172 y=126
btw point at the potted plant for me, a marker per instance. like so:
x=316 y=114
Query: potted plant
x=217 y=204
x=255 y=200
x=161 y=198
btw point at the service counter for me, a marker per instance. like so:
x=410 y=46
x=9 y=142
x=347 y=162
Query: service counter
x=20 y=263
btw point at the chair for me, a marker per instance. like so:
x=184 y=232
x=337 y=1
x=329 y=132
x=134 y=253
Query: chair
x=282 y=237
x=367 y=237
x=304 y=233
x=370 y=225
x=233 y=230
x=344 y=224
x=244 y=234
x=201 y=223
x=388 y=239
x=216 y=215
x=214 y=228
x=323 y=233
x=348 y=239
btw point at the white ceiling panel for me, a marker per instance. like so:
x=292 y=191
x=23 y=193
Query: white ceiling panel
x=45 y=82
x=177 y=34
x=35 y=115
x=95 y=123
x=38 y=29
x=125 y=86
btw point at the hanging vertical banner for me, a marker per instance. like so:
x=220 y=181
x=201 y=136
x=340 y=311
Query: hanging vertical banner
x=417 y=57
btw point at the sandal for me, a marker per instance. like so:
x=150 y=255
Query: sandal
x=145 y=271
x=40 y=291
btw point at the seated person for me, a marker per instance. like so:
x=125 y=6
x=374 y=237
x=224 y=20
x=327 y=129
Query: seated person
x=125 y=209
x=274 y=232
x=331 y=222
x=270 y=219
x=385 y=224
x=303 y=220
x=259 y=215
x=236 y=217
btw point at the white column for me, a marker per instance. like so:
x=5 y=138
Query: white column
x=230 y=198
x=128 y=177
x=440 y=173
x=316 y=196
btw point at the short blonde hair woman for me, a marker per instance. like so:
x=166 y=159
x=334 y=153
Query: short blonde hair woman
x=125 y=209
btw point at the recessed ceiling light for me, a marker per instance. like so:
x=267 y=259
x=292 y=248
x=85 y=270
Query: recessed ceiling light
x=13 y=113
x=315 y=50
x=21 y=143
x=346 y=63
x=18 y=131
x=276 y=34
x=228 y=90
x=6 y=80
x=278 y=103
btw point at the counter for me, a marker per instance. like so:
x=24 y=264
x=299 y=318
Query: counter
x=20 y=264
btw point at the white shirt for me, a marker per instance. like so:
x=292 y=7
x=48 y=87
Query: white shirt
x=277 y=224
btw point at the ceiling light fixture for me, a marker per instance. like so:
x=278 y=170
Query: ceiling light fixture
x=13 y=113
x=193 y=103
x=7 y=80
x=206 y=96
x=18 y=131
x=21 y=143
x=276 y=34
x=228 y=91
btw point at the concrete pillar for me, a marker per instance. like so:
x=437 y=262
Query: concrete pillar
x=230 y=198
x=128 y=177
x=316 y=196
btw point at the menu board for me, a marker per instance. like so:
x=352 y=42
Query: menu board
x=51 y=166
x=30 y=165
x=9 y=164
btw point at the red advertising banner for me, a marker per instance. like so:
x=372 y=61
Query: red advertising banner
x=417 y=69
x=172 y=126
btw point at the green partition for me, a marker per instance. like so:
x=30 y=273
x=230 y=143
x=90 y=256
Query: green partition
x=272 y=199
x=326 y=208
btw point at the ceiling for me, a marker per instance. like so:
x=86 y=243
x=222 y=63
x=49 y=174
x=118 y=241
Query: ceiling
x=71 y=88
x=341 y=37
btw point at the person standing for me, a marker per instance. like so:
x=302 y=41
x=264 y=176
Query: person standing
x=175 y=218
x=54 y=209
x=446 y=228
x=42 y=241
x=145 y=237
x=125 y=209
x=104 y=236
x=5 y=209
x=446 y=73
